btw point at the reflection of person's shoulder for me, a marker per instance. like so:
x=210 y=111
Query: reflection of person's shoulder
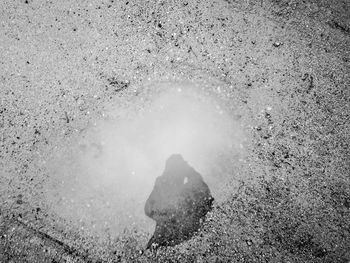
x=194 y=175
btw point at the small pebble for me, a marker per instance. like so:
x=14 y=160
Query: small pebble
x=277 y=44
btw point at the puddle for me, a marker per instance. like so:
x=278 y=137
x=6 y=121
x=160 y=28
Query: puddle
x=100 y=182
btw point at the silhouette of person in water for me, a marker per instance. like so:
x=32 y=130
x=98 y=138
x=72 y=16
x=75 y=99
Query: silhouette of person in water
x=178 y=203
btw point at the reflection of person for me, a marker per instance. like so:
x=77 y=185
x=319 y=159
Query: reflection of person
x=179 y=200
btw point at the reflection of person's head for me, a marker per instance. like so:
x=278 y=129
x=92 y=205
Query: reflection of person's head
x=175 y=165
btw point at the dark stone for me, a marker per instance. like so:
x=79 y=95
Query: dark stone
x=178 y=203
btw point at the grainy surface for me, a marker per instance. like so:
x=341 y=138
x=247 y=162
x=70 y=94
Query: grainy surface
x=286 y=66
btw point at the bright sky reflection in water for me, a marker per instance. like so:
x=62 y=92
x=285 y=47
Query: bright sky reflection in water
x=102 y=182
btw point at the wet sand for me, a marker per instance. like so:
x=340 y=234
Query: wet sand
x=278 y=71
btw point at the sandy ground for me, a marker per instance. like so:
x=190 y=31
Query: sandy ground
x=77 y=78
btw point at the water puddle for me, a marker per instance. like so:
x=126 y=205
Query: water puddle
x=101 y=181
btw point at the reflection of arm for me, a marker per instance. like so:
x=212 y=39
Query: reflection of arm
x=149 y=206
x=158 y=203
x=202 y=194
x=198 y=184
